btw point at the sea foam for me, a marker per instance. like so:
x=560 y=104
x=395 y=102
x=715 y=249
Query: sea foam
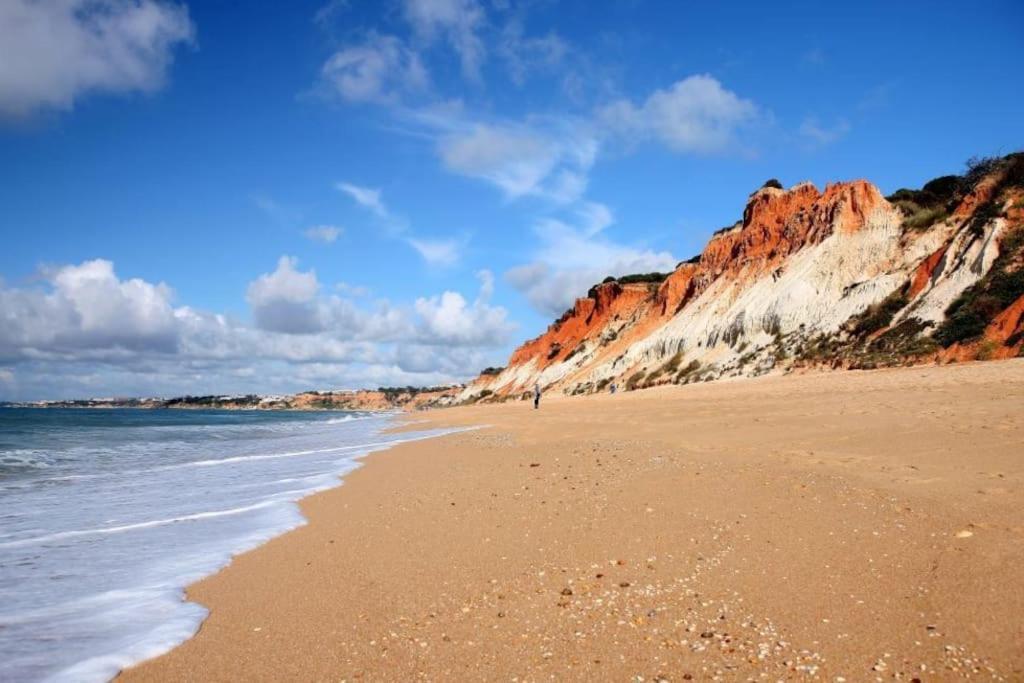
x=108 y=515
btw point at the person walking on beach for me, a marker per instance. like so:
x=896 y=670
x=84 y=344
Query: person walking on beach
x=536 y=396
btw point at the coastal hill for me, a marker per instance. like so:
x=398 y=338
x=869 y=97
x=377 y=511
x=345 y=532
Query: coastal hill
x=840 y=278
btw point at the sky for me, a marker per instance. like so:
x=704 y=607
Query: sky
x=214 y=197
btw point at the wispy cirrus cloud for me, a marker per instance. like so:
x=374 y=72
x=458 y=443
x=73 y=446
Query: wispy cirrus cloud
x=438 y=252
x=325 y=234
x=819 y=135
x=381 y=69
x=367 y=197
x=458 y=22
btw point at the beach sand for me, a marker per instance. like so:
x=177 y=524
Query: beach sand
x=857 y=526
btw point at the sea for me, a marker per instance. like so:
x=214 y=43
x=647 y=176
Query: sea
x=107 y=515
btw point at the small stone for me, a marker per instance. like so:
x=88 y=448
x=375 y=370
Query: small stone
x=707 y=634
x=624 y=584
x=566 y=591
x=964 y=534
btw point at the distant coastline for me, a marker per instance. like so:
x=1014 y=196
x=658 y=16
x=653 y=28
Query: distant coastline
x=380 y=399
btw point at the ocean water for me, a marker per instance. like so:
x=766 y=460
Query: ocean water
x=106 y=515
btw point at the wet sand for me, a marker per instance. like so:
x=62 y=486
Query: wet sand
x=847 y=526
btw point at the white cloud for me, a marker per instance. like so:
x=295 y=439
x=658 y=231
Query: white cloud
x=523 y=54
x=327 y=234
x=456 y=20
x=818 y=135
x=549 y=159
x=285 y=300
x=85 y=332
x=437 y=252
x=695 y=114
x=450 y=319
x=367 y=197
x=54 y=51
x=352 y=290
x=381 y=69
x=572 y=258
x=87 y=307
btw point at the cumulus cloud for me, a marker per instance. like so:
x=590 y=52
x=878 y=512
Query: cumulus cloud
x=458 y=21
x=52 y=52
x=285 y=300
x=87 y=307
x=450 y=319
x=382 y=69
x=83 y=331
x=326 y=234
x=572 y=257
x=695 y=114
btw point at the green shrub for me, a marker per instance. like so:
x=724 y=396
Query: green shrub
x=635 y=380
x=686 y=372
x=925 y=217
x=983 y=215
x=1015 y=170
x=979 y=167
x=772 y=182
x=673 y=363
x=642 y=277
x=881 y=314
x=972 y=311
x=944 y=191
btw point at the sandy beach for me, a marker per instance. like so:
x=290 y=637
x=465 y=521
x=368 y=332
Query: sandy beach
x=846 y=526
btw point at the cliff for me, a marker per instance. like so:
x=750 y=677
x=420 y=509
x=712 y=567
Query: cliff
x=843 y=277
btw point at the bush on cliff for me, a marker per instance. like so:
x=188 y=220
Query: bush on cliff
x=642 y=277
x=972 y=311
x=919 y=218
x=635 y=380
x=879 y=315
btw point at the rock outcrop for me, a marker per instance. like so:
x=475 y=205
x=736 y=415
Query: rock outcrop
x=843 y=277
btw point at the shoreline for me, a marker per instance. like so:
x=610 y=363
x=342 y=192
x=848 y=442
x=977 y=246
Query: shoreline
x=614 y=536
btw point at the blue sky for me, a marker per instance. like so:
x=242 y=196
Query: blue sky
x=213 y=197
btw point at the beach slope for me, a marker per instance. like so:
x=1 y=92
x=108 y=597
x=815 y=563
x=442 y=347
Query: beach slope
x=857 y=526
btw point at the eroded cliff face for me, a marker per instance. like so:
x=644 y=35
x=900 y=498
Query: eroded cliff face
x=842 y=277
